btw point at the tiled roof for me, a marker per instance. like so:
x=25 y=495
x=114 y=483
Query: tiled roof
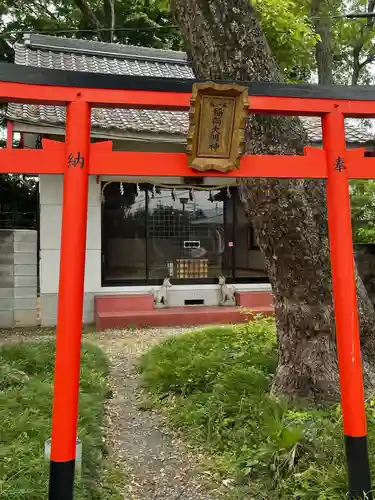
x=355 y=131
x=97 y=57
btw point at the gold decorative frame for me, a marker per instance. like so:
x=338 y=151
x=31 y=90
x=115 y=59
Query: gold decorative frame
x=217 y=117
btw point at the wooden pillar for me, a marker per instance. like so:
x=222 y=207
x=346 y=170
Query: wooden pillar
x=345 y=306
x=70 y=302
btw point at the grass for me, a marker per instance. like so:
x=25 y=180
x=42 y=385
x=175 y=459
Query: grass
x=214 y=387
x=26 y=373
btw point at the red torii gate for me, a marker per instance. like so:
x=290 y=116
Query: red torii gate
x=77 y=159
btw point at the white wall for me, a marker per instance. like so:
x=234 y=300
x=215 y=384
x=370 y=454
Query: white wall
x=50 y=234
x=51 y=189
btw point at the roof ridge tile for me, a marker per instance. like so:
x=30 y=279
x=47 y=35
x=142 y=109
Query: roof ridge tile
x=103 y=49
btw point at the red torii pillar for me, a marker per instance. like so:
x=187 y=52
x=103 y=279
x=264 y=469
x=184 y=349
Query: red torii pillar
x=70 y=301
x=345 y=306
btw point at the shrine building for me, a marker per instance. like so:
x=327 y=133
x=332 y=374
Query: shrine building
x=144 y=230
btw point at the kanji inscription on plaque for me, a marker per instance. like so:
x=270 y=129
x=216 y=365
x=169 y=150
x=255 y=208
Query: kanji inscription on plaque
x=217 y=121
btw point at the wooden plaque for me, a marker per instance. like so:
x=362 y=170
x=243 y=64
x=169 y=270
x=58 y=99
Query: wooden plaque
x=216 y=137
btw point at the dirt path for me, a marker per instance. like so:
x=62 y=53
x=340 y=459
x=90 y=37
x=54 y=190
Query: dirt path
x=159 y=466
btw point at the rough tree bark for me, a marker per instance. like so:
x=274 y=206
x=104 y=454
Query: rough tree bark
x=323 y=49
x=224 y=39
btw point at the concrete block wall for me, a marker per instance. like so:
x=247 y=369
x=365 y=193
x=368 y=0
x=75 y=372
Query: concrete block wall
x=18 y=278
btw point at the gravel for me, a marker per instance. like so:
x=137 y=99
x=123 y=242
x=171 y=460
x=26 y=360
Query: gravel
x=158 y=464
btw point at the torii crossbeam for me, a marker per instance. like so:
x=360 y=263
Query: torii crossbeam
x=77 y=159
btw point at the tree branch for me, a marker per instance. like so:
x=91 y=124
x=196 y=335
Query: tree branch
x=38 y=6
x=368 y=60
x=357 y=65
x=89 y=15
x=46 y=10
x=370 y=8
x=356 y=54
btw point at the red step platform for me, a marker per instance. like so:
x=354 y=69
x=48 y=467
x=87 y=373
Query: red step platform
x=137 y=311
x=248 y=300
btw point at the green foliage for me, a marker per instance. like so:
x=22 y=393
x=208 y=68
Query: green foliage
x=214 y=386
x=350 y=36
x=18 y=194
x=362 y=198
x=286 y=23
x=290 y=35
x=26 y=373
x=148 y=22
x=288 y=26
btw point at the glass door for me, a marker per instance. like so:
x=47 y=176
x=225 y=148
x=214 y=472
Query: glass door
x=149 y=233
x=187 y=235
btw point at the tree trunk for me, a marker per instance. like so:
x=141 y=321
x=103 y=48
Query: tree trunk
x=224 y=40
x=356 y=64
x=323 y=49
x=109 y=15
